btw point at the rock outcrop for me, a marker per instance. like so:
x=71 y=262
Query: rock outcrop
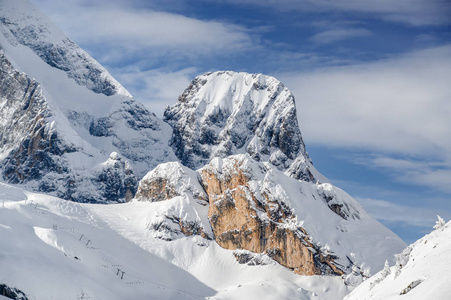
x=29 y=143
x=183 y=209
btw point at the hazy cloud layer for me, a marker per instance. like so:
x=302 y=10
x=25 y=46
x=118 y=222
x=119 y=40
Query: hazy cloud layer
x=157 y=89
x=434 y=174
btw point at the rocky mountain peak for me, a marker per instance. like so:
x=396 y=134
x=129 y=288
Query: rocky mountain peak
x=225 y=113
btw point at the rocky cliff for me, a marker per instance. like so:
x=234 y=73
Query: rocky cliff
x=246 y=213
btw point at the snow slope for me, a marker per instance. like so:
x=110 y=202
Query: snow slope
x=56 y=249
x=422 y=271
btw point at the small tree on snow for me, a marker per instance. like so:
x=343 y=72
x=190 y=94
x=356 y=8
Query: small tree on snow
x=440 y=223
x=386 y=271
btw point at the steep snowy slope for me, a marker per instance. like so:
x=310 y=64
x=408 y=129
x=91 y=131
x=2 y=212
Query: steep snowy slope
x=63 y=115
x=225 y=113
x=422 y=271
x=57 y=249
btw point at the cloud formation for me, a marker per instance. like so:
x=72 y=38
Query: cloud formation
x=158 y=88
x=399 y=105
x=433 y=174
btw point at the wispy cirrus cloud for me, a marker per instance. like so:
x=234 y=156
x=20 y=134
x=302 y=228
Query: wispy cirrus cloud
x=157 y=88
x=335 y=35
x=434 y=174
x=394 y=213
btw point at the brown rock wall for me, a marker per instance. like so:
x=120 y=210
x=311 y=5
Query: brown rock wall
x=242 y=221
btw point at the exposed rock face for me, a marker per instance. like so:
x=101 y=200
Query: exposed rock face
x=244 y=216
x=34 y=153
x=184 y=211
x=246 y=212
x=116 y=179
x=28 y=142
x=225 y=113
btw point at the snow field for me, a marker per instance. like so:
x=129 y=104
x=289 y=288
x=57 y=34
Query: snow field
x=56 y=249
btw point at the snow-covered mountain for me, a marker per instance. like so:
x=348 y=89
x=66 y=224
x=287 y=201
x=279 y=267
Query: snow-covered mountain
x=421 y=271
x=224 y=181
x=63 y=115
x=225 y=113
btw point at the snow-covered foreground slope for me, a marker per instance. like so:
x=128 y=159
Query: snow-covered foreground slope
x=55 y=249
x=422 y=271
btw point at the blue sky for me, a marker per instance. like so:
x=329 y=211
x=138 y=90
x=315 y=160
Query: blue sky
x=372 y=80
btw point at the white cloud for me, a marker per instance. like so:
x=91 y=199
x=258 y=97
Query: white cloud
x=335 y=35
x=433 y=174
x=394 y=213
x=157 y=89
x=129 y=29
